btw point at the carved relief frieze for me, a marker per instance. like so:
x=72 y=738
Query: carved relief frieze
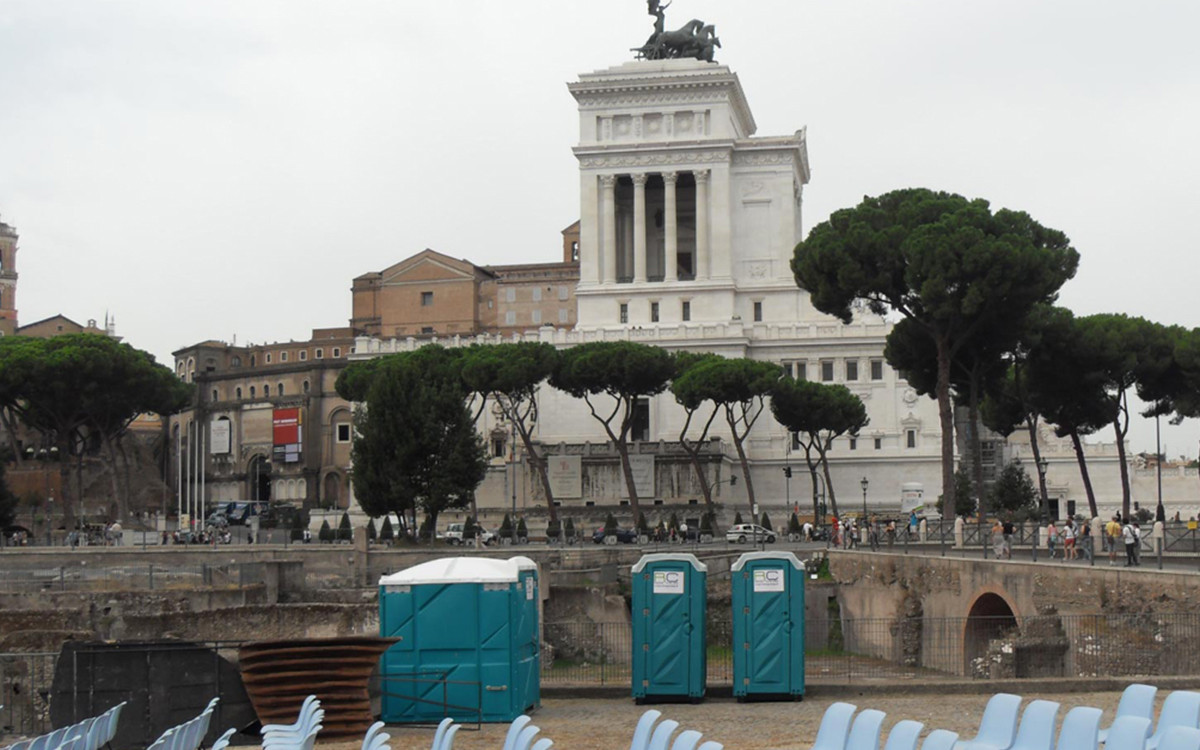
x=763 y=158
x=609 y=161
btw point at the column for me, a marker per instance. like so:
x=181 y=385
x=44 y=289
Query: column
x=670 y=223
x=608 y=222
x=639 y=228
x=701 y=224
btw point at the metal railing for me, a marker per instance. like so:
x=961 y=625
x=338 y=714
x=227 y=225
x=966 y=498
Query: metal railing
x=129 y=577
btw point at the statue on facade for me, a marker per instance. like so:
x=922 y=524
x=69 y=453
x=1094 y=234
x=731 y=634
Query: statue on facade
x=695 y=39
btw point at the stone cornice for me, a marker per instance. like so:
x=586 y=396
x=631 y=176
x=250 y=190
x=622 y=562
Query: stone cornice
x=591 y=157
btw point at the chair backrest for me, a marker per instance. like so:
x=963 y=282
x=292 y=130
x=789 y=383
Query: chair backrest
x=1180 y=709
x=865 y=731
x=514 y=729
x=22 y=745
x=662 y=735
x=904 y=735
x=1036 y=731
x=1138 y=700
x=940 y=739
x=711 y=745
x=641 y=733
x=222 y=742
x=114 y=716
x=686 y=740
x=1128 y=733
x=448 y=737
x=835 y=727
x=1180 y=738
x=998 y=726
x=1080 y=729
x=440 y=732
x=525 y=738
x=372 y=732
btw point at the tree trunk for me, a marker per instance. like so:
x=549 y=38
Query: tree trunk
x=539 y=467
x=1043 y=499
x=741 y=451
x=1125 y=497
x=693 y=451
x=829 y=484
x=1083 y=471
x=115 y=481
x=946 y=415
x=630 y=485
x=812 y=473
x=127 y=471
x=976 y=445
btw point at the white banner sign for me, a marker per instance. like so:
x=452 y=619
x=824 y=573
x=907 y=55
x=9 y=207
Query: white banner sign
x=668 y=581
x=768 y=580
x=219 y=437
x=566 y=475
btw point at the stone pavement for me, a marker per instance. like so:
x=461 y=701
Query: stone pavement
x=607 y=723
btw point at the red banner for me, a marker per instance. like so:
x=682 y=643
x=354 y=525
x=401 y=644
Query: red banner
x=286 y=425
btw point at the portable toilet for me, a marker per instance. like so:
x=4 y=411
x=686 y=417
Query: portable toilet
x=464 y=649
x=768 y=626
x=527 y=621
x=669 y=608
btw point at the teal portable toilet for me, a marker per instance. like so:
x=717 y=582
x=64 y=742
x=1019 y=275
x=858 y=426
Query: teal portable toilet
x=669 y=608
x=465 y=626
x=768 y=626
x=528 y=634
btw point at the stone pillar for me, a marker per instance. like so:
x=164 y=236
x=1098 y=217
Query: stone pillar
x=639 y=228
x=608 y=223
x=670 y=223
x=702 y=250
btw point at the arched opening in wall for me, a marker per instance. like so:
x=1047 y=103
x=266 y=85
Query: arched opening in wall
x=989 y=618
x=258 y=477
x=332 y=494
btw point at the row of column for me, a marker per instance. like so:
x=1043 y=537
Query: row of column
x=608 y=220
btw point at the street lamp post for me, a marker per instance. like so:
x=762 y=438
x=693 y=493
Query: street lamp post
x=1042 y=465
x=864 y=483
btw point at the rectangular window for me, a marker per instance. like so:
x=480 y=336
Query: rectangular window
x=510 y=318
x=757 y=312
x=853 y=444
x=640 y=427
x=911 y=438
x=268 y=358
x=801 y=371
x=852 y=369
x=563 y=316
x=320 y=354
x=283 y=356
x=343 y=432
x=426 y=299
x=303 y=355
x=795 y=441
x=827 y=371
x=877 y=369
x=336 y=352
x=878 y=443
x=653 y=312
x=623 y=312
x=537 y=294
x=427 y=330
x=498 y=447
x=563 y=292
x=686 y=311
x=787 y=369
x=510 y=295
x=537 y=317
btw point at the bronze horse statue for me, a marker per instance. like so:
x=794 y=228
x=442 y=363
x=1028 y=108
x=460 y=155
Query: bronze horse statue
x=694 y=39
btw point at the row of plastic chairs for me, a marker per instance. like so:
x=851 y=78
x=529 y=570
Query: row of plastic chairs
x=521 y=735
x=1131 y=729
x=189 y=734
x=647 y=736
x=300 y=734
x=90 y=734
x=842 y=729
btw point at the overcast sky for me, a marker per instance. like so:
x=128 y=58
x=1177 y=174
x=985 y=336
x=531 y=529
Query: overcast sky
x=209 y=169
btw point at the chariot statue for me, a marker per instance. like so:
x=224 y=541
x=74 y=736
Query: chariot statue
x=695 y=39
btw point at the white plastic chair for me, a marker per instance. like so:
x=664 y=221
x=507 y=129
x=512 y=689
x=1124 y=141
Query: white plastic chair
x=711 y=745
x=440 y=732
x=307 y=708
x=1036 y=731
x=865 y=731
x=686 y=740
x=1180 y=709
x=1080 y=729
x=525 y=737
x=998 y=726
x=1136 y=700
x=835 y=727
x=1128 y=733
x=448 y=737
x=940 y=739
x=374 y=739
x=641 y=733
x=542 y=744
x=514 y=730
x=904 y=735
x=1180 y=738
x=222 y=742
x=662 y=735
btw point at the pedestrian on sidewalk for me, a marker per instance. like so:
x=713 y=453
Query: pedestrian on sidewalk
x=1112 y=532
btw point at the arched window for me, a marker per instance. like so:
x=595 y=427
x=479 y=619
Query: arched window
x=236 y=361
x=279 y=389
x=266 y=389
x=252 y=360
x=214 y=395
x=239 y=393
x=304 y=386
x=251 y=391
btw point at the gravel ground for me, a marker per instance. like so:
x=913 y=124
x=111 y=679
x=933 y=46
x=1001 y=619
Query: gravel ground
x=607 y=723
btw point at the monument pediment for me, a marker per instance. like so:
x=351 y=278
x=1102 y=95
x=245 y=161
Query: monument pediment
x=429 y=265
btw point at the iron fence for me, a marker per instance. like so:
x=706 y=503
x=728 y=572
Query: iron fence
x=846 y=651
x=25 y=680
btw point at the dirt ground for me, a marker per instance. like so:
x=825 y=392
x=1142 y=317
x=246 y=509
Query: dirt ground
x=607 y=723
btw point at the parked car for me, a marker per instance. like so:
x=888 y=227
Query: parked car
x=624 y=536
x=749 y=532
x=454 y=535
